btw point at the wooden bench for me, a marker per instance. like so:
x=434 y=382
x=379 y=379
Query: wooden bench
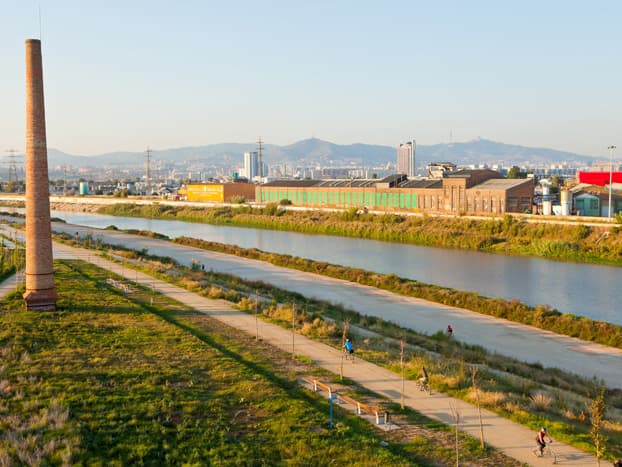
x=119 y=285
x=318 y=385
x=361 y=408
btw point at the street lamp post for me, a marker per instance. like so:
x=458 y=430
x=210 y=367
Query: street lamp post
x=611 y=148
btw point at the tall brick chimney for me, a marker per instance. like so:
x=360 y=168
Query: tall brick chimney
x=40 y=292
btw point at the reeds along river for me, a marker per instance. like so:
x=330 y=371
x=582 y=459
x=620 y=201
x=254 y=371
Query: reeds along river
x=587 y=290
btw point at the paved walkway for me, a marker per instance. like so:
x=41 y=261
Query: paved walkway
x=505 y=337
x=514 y=440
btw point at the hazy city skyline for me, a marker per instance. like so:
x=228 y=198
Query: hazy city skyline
x=126 y=76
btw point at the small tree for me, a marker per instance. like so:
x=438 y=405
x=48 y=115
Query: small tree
x=514 y=172
x=456 y=414
x=479 y=407
x=403 y=375
x=597 y=418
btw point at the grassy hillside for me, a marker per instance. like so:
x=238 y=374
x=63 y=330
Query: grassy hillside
x=110 y=379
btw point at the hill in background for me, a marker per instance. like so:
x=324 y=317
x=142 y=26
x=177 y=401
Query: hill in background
x=315 y=151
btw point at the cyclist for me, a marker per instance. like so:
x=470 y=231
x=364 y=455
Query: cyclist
x=349 y=348
x=540 y=440
x=423 y=381
x=450 y=330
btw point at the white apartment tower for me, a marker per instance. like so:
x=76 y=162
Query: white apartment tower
x=406 y=158
x=251 y=166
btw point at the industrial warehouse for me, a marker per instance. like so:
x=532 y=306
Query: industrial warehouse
x=479 y=191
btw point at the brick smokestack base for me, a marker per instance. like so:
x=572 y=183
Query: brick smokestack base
x=40 y=291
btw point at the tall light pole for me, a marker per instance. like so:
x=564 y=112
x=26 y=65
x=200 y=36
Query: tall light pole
x=611 y=148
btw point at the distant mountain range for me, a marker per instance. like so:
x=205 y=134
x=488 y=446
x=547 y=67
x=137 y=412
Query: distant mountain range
x=318 y=152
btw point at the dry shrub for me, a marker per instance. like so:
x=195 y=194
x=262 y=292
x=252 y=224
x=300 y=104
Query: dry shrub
x=487 y=398
x=190 y=284
x=569 y=414
x=513 y=407
x=246 y=304
x=612 y=426
x=452 y=381
x=541 y=401
x=319 y=328
x=280 y=313
x=215 y=292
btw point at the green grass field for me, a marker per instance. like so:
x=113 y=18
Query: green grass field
x=109 y=379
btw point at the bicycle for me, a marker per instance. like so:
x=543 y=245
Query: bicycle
x=347 y=355
x=546 y=452
x=423 y=385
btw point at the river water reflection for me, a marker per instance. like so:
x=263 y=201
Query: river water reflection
x=587 y=290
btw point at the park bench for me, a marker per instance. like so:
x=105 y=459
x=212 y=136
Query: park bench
x=318 y=385
x=361 y=408
x=119 y=285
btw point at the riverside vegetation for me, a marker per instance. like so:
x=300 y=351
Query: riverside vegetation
x=549 y=240
x=540 y=316
x=527 y=393
x=507 y=235
x=115 y=379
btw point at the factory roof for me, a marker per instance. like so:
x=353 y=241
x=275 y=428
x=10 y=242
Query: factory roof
x=501 y=183
x=333 y=183
x=464 y=173
x=291 y=183
x=421 y=184
x=347 y=183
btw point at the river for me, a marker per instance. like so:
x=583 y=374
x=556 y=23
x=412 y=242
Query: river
x=581 y=289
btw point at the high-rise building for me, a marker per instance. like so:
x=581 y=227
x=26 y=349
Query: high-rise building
x=406 y=158
x=251 y=165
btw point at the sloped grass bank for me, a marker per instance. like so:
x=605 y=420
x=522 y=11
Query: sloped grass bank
x=119 y=379
x=106 y=381
x=528 y=393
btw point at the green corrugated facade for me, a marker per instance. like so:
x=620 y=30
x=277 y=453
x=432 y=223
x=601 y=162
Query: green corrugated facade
x=370 y=198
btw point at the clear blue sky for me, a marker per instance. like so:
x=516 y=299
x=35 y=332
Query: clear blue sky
x=124 y=75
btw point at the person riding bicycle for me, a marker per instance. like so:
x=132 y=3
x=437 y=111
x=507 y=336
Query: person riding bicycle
x=423 y=381
x=450 y=330
x=540 y=440
x=349 y=348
